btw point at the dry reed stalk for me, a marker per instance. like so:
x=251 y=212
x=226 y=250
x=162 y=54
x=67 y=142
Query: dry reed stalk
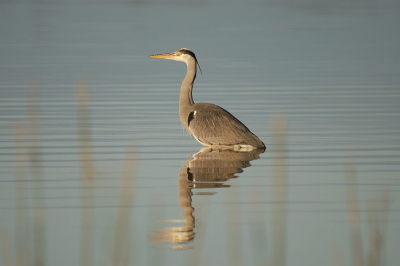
x=36 y=169
x=353 y=218
x=82 y=99
x=122 y=230
x=21 y=202
x=234 y=227
x=279 y=192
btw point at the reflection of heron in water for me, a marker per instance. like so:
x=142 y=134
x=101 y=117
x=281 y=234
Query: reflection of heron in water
x=210 y=124
x=207 y=170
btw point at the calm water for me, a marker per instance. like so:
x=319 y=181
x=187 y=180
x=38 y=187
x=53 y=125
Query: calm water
x=96 y=169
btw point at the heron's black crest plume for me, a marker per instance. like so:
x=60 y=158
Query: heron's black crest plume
x=187 y=51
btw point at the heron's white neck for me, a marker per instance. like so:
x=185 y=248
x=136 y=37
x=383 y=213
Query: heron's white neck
x=185 y=98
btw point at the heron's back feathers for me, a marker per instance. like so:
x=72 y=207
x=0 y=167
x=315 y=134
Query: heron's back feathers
x=213 y=125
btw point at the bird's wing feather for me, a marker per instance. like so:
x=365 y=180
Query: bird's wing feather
x=213 y=125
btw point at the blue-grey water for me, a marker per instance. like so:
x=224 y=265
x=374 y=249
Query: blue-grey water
x=78 y=94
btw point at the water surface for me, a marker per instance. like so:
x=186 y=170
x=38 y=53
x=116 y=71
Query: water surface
x=93 y=153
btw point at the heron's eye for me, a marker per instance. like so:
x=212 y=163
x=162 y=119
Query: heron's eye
x=177 y=53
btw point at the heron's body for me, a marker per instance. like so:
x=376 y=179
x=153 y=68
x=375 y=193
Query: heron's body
x=210 y=124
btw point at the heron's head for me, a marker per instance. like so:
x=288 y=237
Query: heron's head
x=182 y=54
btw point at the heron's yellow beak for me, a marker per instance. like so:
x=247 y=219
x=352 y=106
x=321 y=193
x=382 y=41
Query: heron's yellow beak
x=165 y=56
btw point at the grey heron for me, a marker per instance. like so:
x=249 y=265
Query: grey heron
x=208 y=123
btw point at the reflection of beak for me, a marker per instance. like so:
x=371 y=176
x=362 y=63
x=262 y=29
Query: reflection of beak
x=165 y=56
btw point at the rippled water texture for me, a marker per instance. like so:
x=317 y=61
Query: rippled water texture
x=96 y=169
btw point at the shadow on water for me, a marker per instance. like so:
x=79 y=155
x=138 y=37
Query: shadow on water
x=207 y=169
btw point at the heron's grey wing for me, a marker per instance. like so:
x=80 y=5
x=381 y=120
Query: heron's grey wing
x=213 y=125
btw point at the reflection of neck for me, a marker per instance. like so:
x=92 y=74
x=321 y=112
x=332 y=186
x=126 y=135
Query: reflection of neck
x=185 y=196
x=185 y=98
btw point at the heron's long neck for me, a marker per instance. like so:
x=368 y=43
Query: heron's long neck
x=185 y=98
